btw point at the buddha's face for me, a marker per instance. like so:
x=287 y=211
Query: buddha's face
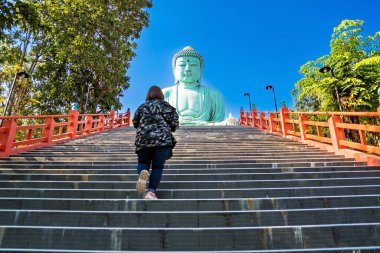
x=187 y=69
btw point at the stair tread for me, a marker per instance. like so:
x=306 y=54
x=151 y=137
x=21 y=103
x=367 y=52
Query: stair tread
x=226 y=189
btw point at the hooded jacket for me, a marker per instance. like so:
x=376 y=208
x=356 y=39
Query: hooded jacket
x=155 y=120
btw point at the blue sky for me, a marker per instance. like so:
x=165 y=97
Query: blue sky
x=246 y=44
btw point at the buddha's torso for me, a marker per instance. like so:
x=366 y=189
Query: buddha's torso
x=197 y=105
x=189 y=101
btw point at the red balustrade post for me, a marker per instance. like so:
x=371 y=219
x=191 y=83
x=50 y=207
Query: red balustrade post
x=125 y=119
x=319 y=131
x=120 y=120
x=48 y=131
x=284 y=121
x=254 y=117
x=336 y=133
x=101 y=123
x=241 y=118
x=111 y=119
x=7 y=135
x=248 y=119
x=262 y=120
x=29 y=135
x=88 y=124
x=272 y=123
x=363 y=137
x=303 y=128
x=73 y=123
x=128 y=114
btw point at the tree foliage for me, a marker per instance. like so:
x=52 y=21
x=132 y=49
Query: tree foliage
x=353 y=76
x=73 y=50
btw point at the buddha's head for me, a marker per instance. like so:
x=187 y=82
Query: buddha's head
x=187 y=66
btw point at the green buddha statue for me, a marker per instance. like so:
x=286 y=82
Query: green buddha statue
x=196 y=104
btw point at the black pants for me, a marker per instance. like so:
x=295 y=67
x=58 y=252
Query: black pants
x=152 y=158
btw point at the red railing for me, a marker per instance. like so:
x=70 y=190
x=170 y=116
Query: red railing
x=334 y=128
x=23 y=133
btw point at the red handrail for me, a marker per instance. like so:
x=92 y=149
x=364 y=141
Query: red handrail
x=18 y=135
x=332 y=131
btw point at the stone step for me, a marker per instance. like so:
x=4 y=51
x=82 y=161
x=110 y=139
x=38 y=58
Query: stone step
x=180 y=158
x=132 y=175
x=176 y=156
x=201 y=139
x=183 y=165
x=200 y=143
x=227 y=147
x=113 y=193
x=190 y=219
x=179 y=161
x=192 y=239
x=226 y=204
x=209 y=184
x=119 y=168
x=367 y=249
x=186 y=149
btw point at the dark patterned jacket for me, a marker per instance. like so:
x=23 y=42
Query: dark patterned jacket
x=155 y=120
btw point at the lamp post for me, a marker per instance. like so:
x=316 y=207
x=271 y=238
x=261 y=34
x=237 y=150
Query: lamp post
x=21 y=74
x=326 y=69
x=87 y=97
x=118 y=102
x=249 y=99
x=271 y=87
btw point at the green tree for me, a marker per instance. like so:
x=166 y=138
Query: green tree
x=19 y=23
x=353 y=74
x=77 y=51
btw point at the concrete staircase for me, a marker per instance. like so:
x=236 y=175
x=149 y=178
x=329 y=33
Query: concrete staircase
x=226 y=189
